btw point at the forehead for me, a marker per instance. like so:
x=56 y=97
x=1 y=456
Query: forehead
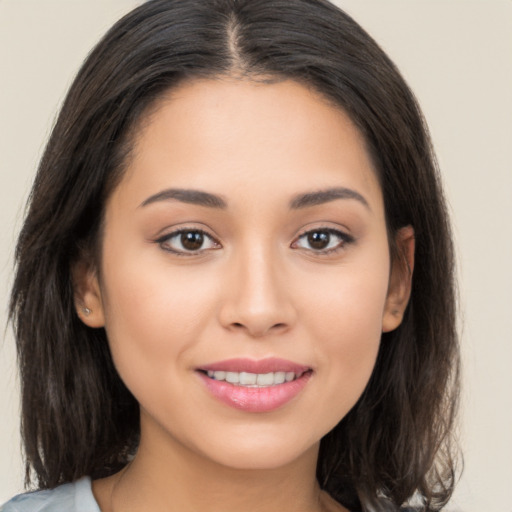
x=218 y=134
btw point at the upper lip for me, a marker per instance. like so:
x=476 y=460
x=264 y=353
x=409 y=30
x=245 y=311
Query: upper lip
x=267 y=365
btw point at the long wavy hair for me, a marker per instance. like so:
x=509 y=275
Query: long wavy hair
x=78 y=418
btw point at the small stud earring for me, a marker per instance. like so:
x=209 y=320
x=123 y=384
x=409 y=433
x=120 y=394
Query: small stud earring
x=86 y=311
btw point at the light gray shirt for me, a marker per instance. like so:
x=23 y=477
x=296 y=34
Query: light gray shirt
x=73 y=497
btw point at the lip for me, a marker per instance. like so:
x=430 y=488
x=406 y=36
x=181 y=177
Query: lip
x=271 y=364
x=254 y=399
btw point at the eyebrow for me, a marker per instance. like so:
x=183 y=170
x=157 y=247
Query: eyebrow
x=326 y=196
x=209 y=200
x=190 y=196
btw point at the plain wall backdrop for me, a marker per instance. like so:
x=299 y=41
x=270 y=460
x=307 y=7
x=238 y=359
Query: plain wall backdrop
x=457 y=57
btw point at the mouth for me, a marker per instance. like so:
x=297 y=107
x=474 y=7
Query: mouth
x=253 y=380
x=255 y=386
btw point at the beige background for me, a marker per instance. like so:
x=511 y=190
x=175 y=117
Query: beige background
x=456 y=55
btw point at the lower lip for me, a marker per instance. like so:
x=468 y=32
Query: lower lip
x=263 y=399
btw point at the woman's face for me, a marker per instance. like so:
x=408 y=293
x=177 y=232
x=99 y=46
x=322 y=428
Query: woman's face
x=245 y=278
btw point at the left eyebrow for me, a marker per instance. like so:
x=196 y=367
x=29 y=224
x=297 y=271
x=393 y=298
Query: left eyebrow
x=326 y=196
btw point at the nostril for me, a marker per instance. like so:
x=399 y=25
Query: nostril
x=259 y=331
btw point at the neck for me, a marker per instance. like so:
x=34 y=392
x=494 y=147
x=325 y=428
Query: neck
x=169 y=476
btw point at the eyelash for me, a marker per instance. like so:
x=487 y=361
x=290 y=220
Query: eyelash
x=344 y=239
x=163 y=241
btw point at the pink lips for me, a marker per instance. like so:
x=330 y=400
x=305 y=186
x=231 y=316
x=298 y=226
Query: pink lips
x=255 y=399
x=263 y=366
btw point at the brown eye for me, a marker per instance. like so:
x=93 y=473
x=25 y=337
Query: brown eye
x=188 y=242
x=319 y=239
x=322 y=241
x=192 y=240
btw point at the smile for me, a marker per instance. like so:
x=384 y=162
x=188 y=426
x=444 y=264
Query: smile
x=255 y=386
x=258 y=380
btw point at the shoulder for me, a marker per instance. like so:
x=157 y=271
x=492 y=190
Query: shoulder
x=73 y=497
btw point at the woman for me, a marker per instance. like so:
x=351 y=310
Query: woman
x=234 y=284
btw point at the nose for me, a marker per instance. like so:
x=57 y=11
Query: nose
x=256 y=298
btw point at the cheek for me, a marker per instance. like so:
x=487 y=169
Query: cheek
x=154 y=313
x=345 y=319
x=348 y=302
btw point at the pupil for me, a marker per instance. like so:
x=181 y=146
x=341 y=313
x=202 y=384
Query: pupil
x=319 y=239
x=192 y=240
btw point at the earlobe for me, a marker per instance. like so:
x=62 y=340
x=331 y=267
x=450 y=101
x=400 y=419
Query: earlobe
x=87 y=294
x=400 y=281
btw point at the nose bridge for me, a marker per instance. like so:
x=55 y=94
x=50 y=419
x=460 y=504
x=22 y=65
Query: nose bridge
x=259 y=276
x=256 y=293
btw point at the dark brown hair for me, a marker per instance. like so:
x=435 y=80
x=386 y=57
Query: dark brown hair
x=77 y=416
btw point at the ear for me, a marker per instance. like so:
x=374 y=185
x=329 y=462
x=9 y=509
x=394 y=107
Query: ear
x=87 y=294
x=400 y=280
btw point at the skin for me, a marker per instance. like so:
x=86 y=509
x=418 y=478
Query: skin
x=256 y=288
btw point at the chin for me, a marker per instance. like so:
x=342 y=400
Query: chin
x=260 y=452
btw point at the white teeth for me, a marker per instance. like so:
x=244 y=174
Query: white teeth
x=280 y=377
x=253 y=379
x=232 y=377
x=265 y=379
x=247 y=379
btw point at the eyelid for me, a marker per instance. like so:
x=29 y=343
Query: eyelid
x=186 y=229
x=346 y=239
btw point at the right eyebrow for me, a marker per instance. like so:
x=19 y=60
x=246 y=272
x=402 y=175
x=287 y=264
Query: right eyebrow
x=186 y=195
x=325 y=196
